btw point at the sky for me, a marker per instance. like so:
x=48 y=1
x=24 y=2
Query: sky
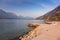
x=32 y=8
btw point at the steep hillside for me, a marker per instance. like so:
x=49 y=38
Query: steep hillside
x=52 y=15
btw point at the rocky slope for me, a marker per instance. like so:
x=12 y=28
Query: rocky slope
x=52 y=15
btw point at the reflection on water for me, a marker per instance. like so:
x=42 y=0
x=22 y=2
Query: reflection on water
x=10 y=28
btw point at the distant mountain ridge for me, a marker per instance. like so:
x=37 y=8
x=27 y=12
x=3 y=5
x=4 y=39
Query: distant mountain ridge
x=52 y=15
x=9 y=15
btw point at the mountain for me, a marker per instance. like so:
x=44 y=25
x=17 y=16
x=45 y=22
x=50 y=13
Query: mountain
x=28 y=18
x=52 y=15
x=7 y=15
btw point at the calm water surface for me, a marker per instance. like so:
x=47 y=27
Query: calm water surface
x=10 y=28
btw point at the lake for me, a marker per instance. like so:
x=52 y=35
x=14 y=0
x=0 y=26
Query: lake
x=10 y=28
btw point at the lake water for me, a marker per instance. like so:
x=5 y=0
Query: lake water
x=10 y=28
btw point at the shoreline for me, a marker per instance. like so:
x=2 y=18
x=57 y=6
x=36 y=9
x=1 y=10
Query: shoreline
x=31 y=34
x=26 y=34
x=39 y=33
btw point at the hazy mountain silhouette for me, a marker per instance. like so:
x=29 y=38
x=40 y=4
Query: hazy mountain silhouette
x=9 y=15
x=52 y=15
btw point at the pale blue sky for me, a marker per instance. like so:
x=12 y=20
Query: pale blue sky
x=32 y=8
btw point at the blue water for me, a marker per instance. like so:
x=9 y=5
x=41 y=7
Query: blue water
x=10 y=28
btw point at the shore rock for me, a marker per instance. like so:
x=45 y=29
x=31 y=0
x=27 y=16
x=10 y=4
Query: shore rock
x=33 y=25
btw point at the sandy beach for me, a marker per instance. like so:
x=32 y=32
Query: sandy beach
x=44 y=32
